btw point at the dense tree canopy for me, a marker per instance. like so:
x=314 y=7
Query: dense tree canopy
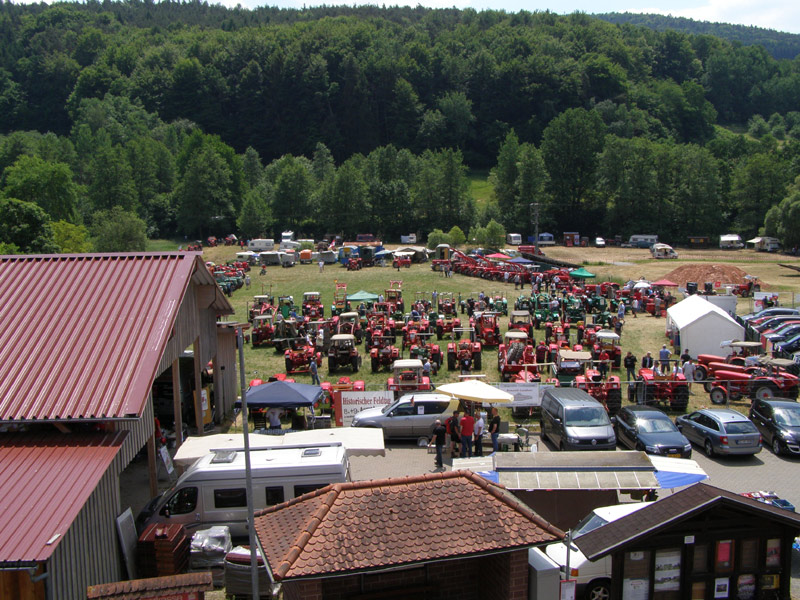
x=198 y=120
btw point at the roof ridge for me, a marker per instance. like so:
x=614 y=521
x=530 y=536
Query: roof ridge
x=308 y=532
x=501 y=493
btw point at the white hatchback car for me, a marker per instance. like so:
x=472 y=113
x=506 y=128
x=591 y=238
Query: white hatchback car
x=593 y=578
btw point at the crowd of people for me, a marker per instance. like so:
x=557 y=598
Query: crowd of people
x=464 y=434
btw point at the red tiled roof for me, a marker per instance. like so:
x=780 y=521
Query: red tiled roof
x=45 y=481
x=673 y=509
x=83 y=335
x=146 y=588
x=364 y=525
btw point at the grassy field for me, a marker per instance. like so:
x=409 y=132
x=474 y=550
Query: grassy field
x=479 y=188
x=639 y=335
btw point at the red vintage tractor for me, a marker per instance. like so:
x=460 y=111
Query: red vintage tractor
x=430 y=351
x=382 y=353
x=759 y=383
x=394 y=296
x=669 y=389
x=354 y=264
x=313 y=309
x=446 y=304
x=521 y=320
x=607 y=340
x=606 y=391
x=298 y=357
x=340 y=303
x=408 y=376
x=485 y=328
x=448 y=324
x=414 y=331
x=463 y=352
x=705 y=370
x=350 y=323
x=343 y=352
x=515 y=355
x=401 y=260
x=263 y=330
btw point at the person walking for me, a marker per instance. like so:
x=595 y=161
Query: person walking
x=314 y=375
x=630 y=366
x=321 y=265
x=647 y=361
x=685 y=355
x=635 y=307
x=494 y=428
x=438 y=439
x=247 y=282
x=480 y=426
x=467 y=429
x=688 y=372
x=453 y=428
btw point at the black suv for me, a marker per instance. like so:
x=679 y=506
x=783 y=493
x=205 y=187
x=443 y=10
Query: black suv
x=778 y=420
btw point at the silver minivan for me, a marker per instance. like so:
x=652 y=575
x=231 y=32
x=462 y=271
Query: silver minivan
x=410 y=416
x=573 y=420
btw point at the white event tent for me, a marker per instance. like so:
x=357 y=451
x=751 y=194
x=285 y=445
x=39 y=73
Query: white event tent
x=702 y=326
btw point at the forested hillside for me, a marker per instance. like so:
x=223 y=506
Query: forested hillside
x=779 y=44
x=120 y=119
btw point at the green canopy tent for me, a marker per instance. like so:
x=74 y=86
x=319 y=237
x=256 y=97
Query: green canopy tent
x=581 y=274
x=362 y=296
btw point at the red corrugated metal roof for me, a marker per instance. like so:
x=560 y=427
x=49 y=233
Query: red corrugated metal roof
x=45 y=481
x=82 y=335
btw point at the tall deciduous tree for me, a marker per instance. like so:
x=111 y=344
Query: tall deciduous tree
x=118 y=230
x=203 y=195
x=255 y=217
x=570 y=147
x=26 y=226
x=47 y=184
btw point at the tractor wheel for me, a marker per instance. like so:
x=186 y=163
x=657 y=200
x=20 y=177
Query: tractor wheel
x=709 y=448
x=376 y=364
x=707 y=385
x=680 y=399
x=451 y=361
x=700 y=373
x=457 y=335
x=476 y=360
x=354 y=362
x=613 y=401
x=718 y=395
x=439 y=332
x=764 y=392
x=331 y=365
x=288 y=363
x=359 y=336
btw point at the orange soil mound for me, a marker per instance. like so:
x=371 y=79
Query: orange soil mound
x=707 y=272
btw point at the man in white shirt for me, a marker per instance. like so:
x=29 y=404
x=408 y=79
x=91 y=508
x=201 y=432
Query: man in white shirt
x=480 y=426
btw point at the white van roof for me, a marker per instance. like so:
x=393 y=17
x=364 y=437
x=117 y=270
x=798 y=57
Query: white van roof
x=265 y=462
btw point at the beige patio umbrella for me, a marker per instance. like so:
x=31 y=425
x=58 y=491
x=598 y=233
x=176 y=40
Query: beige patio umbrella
x=474 y=390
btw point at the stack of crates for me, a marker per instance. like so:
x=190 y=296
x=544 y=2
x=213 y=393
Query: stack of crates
x=162 y=550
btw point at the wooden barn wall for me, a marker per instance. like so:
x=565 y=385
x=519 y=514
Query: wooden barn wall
x=139 y=431
x=89 y=552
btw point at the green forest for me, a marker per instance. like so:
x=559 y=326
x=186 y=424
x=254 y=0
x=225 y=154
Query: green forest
x=122 y=121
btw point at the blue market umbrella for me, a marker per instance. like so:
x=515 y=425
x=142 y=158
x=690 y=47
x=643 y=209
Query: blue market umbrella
x=282 y=394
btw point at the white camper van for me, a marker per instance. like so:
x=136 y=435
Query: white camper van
x=212 y=490
x=642 y=241
x=663 y=251
x=261 y=245
x=730 y=241
x=514 y=239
